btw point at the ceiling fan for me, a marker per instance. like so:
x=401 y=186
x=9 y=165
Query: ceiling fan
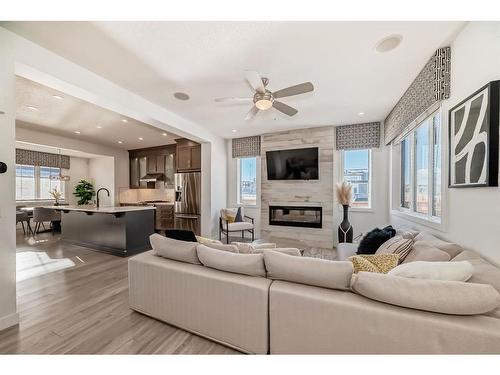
x=264 y=99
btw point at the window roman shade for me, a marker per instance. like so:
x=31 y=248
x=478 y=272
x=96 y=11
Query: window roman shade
x=431 y=86
x=246 y=147
x=45 y=159
x=358 y=136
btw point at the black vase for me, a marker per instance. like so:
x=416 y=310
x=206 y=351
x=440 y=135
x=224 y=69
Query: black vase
x=345 y=228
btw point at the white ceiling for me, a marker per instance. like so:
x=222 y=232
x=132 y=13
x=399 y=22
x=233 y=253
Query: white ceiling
x=207 y=59
x=69 y=115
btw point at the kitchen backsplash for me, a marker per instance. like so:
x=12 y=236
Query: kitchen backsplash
x=139 y=195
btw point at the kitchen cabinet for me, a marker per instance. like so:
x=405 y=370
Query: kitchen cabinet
x=188 y=155
x=153 y=160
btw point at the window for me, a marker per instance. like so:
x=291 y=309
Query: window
x=357 y=171
x=247 y=184
x=36 y=183
x=421 y=169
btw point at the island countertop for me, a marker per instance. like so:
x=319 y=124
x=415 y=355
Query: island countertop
x=103 y=210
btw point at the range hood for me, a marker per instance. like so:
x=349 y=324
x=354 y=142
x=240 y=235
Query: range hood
x=152 y=177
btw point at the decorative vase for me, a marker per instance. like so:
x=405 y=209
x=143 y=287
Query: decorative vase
x=57 y=203
x=345 y=228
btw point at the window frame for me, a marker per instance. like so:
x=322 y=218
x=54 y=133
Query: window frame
x=411 y=138
x=37 y=185
x=370 y=207
x=238 y=183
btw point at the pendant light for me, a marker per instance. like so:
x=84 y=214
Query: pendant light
x=60 y=176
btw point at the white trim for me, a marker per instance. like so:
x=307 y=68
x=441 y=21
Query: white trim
x=9 y=321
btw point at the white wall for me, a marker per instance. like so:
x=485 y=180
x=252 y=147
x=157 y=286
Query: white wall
x=101 y=174
x=79 y=170
x=8 y=309
x=472 y=214
x=120 y=157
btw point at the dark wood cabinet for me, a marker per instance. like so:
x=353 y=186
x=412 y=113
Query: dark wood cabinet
x=153 y=160
x=188 y=155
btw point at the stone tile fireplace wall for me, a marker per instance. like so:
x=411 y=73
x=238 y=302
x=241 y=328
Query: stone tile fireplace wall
x=300 y=193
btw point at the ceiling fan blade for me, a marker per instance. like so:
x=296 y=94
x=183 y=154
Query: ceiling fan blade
x=255 y=81
x=294 y=90
x=251 y=114
x=233 y=100
x=286 y=109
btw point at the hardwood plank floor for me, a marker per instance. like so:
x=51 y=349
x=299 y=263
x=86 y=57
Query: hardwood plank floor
x=74 y=300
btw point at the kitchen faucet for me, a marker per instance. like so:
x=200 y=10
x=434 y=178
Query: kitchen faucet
x=97 y=194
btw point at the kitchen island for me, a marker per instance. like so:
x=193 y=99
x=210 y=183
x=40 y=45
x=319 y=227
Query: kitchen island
x=120 y=231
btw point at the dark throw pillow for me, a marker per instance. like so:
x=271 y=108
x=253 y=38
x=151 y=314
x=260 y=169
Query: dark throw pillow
x=373 y=239
x=181 y=235
x=238 y=218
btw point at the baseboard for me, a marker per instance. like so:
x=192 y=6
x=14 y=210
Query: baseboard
x=9 y=321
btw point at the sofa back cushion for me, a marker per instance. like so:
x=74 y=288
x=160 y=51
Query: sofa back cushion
x=245 y=264
x=451 y=248
x=221 y=246
x=310 y=271
x=447 y=297
x=284 y=250
x=182 y=251
x=423 y=251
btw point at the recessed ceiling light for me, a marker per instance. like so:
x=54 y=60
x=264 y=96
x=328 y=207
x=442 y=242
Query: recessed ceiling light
x=234 y=130
x=58 y=97
x=124 y=120
x=32 y=108
x=120 y=142
x=140 y=138
x=77 y=132
x=361 y=114
x=164 y=134
x=99 y=127
x=389 y=43
x=181 y=96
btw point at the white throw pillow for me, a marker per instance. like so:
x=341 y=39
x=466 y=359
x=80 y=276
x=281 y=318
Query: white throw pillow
x=245 y=264
x=182 y=251
x=223 y=247
x=450 y=271
x=284 y=250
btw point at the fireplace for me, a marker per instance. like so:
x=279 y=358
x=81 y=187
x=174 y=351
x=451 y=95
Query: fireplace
x=296 y=216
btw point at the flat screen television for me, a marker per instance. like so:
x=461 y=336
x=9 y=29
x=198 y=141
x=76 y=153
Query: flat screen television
x=296 y=164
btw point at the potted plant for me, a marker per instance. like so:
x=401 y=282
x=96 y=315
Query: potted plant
x=56 y=194
x=345 y=198
x=84 y=190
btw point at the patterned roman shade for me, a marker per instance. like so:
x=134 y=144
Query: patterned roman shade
x=30 y=157
x=358 y=136
x=247 y=146
x=431 y=85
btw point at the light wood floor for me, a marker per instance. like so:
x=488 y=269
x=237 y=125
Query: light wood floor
x=74 y=300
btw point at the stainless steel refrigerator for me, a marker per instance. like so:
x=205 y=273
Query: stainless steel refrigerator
x=187 y=201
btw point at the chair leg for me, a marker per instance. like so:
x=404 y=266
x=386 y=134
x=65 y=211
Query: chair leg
x=24 y=230
x=227 y=238
x=253 y=236
x=30 y=230
x=43 y=225
x=243 y=234
x=220 y=234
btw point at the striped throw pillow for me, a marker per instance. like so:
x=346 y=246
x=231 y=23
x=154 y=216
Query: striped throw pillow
x=396 y=245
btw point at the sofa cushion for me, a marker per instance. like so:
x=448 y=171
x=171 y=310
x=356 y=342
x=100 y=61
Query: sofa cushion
x=381 y=263
x=451 y=248
x=484 y=272
x=223 y=247
x=182 y=251
x=451 y=271
x=423 y=251
x=284 y=250
x=396 y=245
x=205 y=240
x=245 y=264
x=244 y=225
x=447 y=297
x=310 y=271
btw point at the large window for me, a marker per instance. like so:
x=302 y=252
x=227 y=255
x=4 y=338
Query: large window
x=247 y=184
x=421 y=169
x=357 y=171
x=36 y=183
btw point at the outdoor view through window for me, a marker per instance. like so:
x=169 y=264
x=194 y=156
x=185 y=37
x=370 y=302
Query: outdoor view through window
x=357 y=173
x=247 y=181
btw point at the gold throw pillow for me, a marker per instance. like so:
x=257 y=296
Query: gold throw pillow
x=380 y=263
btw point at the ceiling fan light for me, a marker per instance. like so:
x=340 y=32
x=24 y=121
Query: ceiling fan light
x=263 y=104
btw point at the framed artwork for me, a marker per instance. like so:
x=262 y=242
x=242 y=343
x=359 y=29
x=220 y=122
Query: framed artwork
x=474 y=131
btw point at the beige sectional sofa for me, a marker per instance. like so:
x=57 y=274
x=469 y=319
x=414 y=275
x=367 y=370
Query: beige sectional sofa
x=256 y=314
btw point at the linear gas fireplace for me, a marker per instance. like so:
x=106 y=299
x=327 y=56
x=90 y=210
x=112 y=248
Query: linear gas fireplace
x=296 y=216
